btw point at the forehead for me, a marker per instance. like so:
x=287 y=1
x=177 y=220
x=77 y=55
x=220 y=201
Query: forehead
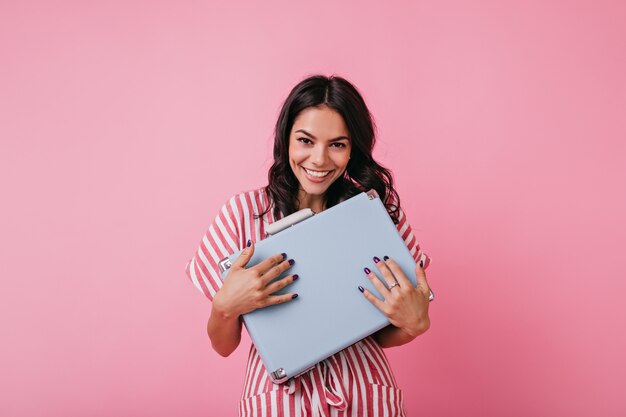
x=322 y=121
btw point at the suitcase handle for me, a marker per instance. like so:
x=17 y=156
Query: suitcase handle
x=288 y=221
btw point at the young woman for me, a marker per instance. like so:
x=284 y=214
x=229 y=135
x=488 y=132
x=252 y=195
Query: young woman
x=323 y=145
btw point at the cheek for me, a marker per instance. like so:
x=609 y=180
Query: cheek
x=296 y=154
x=341 y=159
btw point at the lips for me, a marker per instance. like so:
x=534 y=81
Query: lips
x=316 y=176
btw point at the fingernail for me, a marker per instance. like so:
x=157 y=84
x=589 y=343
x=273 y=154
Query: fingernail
x=385 y=258
x=295 y=277
x=249 y=243
x=376 y=260
x=284 y=255
x=422 y=264
x=293 y=297
x=367 y=270
x=291 y=262
x=361 y=288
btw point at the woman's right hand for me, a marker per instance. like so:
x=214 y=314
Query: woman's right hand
x=246 y=289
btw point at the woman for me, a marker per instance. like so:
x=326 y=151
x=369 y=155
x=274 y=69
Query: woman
x=322 y=155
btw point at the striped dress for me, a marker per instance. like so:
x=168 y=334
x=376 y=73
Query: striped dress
x=357 y=381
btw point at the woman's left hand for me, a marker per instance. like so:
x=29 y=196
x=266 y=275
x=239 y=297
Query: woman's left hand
x=405 y=306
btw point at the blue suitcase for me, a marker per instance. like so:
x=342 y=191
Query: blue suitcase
x=330 y=249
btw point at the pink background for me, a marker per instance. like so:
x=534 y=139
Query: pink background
x=124 y=126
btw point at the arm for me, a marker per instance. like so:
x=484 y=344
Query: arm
x=391 y=335
x=405 y=306
x=245 y=290
x=224 y=330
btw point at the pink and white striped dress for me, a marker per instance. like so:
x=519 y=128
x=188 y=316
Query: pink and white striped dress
x=357 y=381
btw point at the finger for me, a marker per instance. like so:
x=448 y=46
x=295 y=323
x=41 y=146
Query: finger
x=279 y=299
x=244 y=257
x=377 y=282
x=398 y=272
x=385 y=272
x=421 y=278
x=373 y=299
x=280 y=284
x=276 y=271
x=263 y=266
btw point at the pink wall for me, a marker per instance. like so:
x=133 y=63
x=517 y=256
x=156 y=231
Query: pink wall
x=504 y=125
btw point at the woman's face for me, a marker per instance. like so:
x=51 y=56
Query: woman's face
x=319 y=148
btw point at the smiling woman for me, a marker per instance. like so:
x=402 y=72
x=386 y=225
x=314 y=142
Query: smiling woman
x=315 y=159
x=323 y=145
x=325 y=125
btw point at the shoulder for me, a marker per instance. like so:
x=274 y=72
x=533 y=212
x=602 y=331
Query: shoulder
x=251 y=202
x=392 y=204
x=250 y=198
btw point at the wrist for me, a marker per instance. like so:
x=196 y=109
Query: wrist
x=222 y=310
x=418 y=328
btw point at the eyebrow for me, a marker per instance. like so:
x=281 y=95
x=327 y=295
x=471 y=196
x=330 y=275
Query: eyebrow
x=313 y=137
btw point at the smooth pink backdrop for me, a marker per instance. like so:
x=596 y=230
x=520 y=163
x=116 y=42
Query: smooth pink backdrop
x=124 y=126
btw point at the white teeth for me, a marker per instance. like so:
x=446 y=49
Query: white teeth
x=317 y=174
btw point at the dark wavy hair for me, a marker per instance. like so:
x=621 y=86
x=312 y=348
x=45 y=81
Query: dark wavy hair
x=362 y=173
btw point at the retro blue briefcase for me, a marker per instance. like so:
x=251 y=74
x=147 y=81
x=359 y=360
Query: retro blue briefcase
x=330 y=249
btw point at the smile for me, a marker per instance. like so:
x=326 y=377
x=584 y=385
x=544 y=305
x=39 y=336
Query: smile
x=316 y=174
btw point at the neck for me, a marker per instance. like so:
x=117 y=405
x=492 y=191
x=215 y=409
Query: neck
x=317 y=203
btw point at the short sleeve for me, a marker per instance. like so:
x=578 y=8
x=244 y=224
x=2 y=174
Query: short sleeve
x=404 y=228
x=220 y=240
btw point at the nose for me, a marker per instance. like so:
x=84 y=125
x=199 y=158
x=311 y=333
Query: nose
x=319 y=155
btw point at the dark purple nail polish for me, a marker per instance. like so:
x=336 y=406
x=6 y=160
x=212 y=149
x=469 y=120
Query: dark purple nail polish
x=361 y=288
x=293 y=297
x=376 y=260
x=385 y=258
x=249 y=243
x=284 y=255
x=291 y=262
x=295 y=277
x=422 y=264
x=367 y=270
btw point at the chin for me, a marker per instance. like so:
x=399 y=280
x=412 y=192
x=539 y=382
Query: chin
x=320 y=191
x=312 y=187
